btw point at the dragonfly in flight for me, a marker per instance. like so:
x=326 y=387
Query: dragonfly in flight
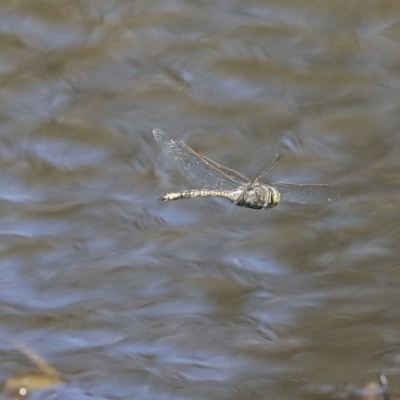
x=213 y=179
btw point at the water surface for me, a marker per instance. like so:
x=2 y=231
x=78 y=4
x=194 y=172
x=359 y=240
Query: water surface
x=128 y=297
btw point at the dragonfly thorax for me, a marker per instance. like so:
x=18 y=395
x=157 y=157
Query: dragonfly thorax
x=255 y=195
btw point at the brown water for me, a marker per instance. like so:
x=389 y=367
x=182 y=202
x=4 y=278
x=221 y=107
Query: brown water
x=130 y=298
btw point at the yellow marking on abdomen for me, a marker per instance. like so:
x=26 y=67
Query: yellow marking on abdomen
x=187 y=194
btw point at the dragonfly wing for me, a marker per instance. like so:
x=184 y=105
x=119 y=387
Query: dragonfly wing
x=306 y=193
x=267 y=168
x=199 y=170
x=236 y=176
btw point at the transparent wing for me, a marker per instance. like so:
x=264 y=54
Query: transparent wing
x=265 y=170
x=306 y=193
x=199 y=170
x=236 y=176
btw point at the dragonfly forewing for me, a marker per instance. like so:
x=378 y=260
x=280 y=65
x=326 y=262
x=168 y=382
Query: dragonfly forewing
x=306 y=193
x=199 y=170
x=235 y=176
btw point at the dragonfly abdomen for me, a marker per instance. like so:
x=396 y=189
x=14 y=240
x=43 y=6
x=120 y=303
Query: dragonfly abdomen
x=188 y=194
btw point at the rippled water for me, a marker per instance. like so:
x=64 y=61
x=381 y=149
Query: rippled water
x=132 y=298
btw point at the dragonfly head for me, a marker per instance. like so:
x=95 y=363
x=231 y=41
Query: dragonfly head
x=275 y=197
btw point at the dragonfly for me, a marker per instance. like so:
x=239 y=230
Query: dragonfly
x=213 y=179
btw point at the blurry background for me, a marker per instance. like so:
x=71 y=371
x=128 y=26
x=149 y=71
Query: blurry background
x=199 y=299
